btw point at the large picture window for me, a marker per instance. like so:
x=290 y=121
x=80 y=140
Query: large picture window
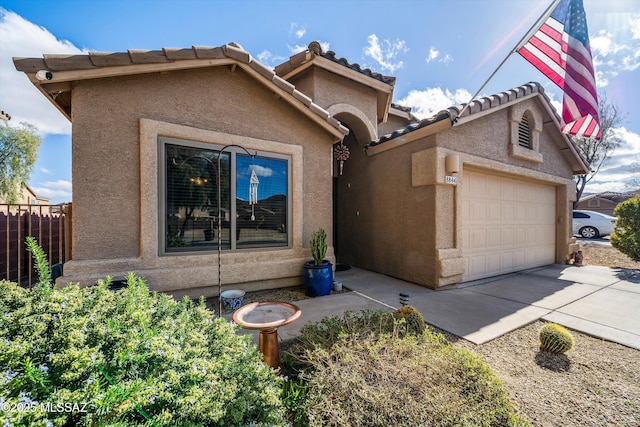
x=190 y=210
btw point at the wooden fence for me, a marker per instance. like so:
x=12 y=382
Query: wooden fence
x=50 y=225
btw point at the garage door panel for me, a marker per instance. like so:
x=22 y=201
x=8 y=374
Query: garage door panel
x=507 y=224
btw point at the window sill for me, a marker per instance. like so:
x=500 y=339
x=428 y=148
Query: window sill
x=522 y=153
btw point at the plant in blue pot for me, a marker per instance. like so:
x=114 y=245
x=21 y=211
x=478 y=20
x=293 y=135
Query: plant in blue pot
x=318 y=274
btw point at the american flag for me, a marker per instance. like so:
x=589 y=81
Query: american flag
x=560 y=49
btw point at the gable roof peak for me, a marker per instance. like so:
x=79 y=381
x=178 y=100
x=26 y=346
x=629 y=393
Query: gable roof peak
x=314 y=50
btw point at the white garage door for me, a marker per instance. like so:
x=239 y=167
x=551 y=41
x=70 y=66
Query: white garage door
x=507 y=224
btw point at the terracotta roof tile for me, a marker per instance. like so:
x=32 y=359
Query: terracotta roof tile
x=207 y=52
x=138 y=56
x=390 y=80
x=177 y=54
x=108 y=59
x=56 y=62
x=236 y=51
x=476 y=106
x=315 y=49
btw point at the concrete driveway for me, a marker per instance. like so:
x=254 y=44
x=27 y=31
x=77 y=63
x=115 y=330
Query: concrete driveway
x=598 y=301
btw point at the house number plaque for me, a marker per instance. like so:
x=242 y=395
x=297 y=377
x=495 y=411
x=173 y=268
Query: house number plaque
x=450 y=179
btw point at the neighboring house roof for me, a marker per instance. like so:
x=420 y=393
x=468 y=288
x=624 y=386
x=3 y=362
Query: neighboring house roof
x=477 y=108
x=314 y=55
x=25 y=196
x=64 y=69
x=612 y=196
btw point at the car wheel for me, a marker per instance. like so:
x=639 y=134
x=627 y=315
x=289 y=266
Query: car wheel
x=589 y=232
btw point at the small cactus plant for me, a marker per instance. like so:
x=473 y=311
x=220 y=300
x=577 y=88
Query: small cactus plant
x=414 y=320
x=318 y=246
x=555 y=338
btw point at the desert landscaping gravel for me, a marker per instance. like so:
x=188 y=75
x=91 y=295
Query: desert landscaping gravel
x=595 y=384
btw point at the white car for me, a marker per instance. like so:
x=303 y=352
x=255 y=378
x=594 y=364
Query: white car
x=592 y=224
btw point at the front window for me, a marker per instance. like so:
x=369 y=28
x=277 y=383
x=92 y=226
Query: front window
x=191 y=212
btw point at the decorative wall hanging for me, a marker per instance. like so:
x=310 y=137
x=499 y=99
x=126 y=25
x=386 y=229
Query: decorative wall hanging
x=341 y=152
x=253 y=192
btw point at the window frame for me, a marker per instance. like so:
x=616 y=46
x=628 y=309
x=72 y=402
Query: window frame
x=233 y=151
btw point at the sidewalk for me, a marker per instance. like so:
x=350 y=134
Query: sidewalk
x=598 y=301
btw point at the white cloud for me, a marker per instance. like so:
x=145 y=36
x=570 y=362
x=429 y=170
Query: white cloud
x=297 y=48
x=263 y=171
x=385 y=54
x=616 y=50
x=446 y=59
x=59 y=189
x=426 y=103
x=21 y=38
x=264 y=56
x=618 y=170
x=297 y=30
x=268 y=58
x=301 y=48
x=634 y=24
x=45 y=170
x=433 y=54
x=603 y=44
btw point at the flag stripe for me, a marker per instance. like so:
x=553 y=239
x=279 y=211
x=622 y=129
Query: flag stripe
x=550 y=69
x=560 y=50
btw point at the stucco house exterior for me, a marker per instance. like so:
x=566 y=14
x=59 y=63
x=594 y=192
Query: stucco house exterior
x=604 y=202
x=28 y=197
x=438 y=201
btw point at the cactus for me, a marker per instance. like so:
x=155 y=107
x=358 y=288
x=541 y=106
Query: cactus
x=318 y=246
x=413 y=319
x=555 y=338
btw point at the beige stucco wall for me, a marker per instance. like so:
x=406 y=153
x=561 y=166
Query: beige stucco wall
x=116 y=122
x=393 y=123
x=338 y=94
x=415 y=214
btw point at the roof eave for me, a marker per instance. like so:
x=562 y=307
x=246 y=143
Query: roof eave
x=84 y=68
x=441 y=123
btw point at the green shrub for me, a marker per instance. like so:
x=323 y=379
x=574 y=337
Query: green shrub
x=361 y=370
x=40 y=260
x=555 y=338
x=626 y=232
x=128 y=358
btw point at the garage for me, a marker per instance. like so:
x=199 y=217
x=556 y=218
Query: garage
x=508 y=224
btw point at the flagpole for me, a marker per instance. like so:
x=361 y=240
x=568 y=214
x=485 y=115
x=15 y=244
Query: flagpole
x=521 y=43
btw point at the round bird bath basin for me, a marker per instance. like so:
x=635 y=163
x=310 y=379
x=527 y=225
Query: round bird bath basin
x=267 y=317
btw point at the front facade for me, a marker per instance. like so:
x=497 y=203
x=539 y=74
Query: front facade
x=167 y=145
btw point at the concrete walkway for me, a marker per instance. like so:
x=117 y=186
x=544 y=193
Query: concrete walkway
x=598 y=301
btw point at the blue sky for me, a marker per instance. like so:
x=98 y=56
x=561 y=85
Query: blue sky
x=441 y=52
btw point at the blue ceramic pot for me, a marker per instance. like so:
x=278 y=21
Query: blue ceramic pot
x=318 y=279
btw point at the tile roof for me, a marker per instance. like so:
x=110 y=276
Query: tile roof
x=167 y=56
x=475 y=106
x=402 y=108
x=613 y=196
x=315 y=49
x=331 y=55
